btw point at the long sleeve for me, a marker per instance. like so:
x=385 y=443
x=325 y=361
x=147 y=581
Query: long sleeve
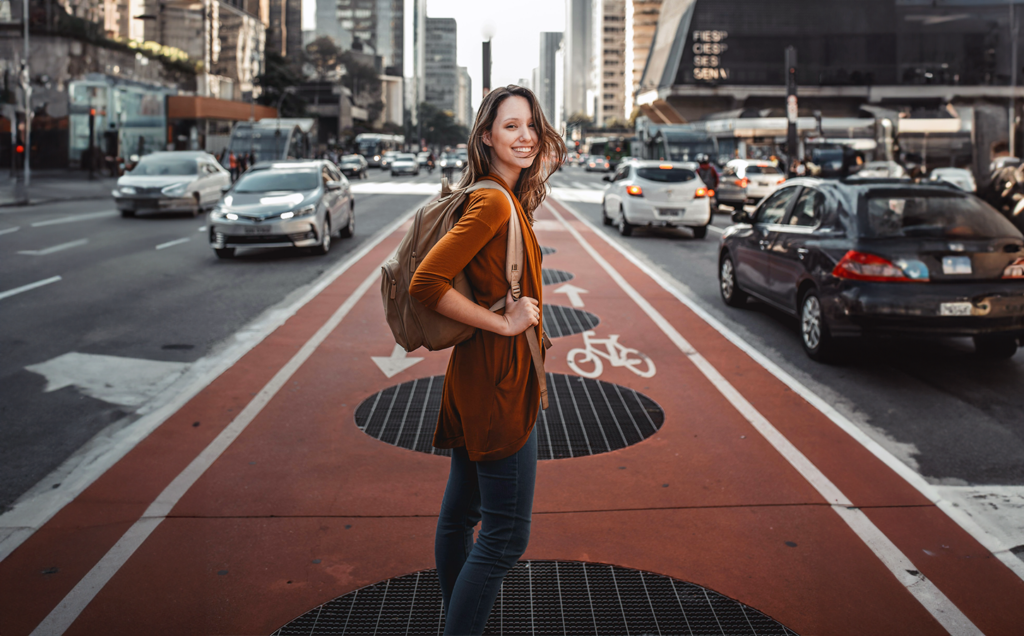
x=486 y=213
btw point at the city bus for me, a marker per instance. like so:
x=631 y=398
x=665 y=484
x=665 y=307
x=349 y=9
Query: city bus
x=372 y=146
x=272 y=139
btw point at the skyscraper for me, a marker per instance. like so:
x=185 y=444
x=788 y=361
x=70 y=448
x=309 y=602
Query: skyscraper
x=609 y=60
x=641 y=22
x=549 y=44
x=285 y=33
x=441 y=71
x=464 y=99
x=578 y=55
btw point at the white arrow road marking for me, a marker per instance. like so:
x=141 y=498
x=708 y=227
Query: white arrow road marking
x=172 y=243
x=125 y=381
x=9 y=230
x=75 y=219
x=573 y=292
x=397 y=363
x=55 y=248
x=25 y=288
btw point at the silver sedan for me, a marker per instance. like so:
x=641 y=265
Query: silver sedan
x=183 y=181
x=295 y=203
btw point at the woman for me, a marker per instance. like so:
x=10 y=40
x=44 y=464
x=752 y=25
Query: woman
x=491 y=394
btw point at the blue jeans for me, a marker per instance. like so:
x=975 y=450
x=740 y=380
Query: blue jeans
x=501 y=493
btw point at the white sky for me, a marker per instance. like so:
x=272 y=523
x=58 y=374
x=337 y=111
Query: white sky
x=515 y=25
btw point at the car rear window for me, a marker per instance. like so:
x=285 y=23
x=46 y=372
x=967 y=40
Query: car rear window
x=278 y=181
x=934 y=216
x=662 y=175
x=762 y=170
x=164 y=166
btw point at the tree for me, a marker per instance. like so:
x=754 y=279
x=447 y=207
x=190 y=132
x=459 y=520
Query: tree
x=579 y=120
x=278 y=76
x=440 y=128
x=324 y=59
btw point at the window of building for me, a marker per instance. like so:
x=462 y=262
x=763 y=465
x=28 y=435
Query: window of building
x=345 y=13
x=348 y=24
x=364 y=13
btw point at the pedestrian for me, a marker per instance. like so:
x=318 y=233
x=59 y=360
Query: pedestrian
x=233 y=165
x=491 y=393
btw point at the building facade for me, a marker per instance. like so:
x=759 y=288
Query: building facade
x=441 y=71
x=608 y=71
x=578 y=56
x=641 y=22
x=284 y=30
x=550 y=43
x=464 y=99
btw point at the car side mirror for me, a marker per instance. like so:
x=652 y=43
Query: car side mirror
x=225 y=189
x=741 y=216
x=606 y=177
x=334 y=185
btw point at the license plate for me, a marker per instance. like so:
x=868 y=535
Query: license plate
x=955 y=309
x=257 y=230
x=669 y=212
x=953 y=265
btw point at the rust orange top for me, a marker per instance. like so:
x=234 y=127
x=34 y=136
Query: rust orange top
x=491 y=394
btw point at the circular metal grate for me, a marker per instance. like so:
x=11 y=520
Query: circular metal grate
x=553 y=276
x=545 y=250
x=543 y=598
x=564 y=321
x=584 y=417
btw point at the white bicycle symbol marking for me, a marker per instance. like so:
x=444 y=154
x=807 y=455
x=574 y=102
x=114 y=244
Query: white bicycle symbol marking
x=615 y=353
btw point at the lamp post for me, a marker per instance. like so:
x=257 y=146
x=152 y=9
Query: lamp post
x=1012 y=114
x=26 y=88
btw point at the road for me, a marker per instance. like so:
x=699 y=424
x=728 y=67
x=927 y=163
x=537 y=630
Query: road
x=149 y=290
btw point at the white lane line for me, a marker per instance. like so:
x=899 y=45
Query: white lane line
x=9 y=230
x=62 y=616
x=25 y=288
x=992 y=542
x=163 y=246
x=716 y=230
x=926 y=593
x=75 y=219
x=202 y=229
x=55 y=248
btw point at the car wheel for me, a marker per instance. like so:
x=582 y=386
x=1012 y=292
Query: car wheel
x=700 y=231
x=225 y=252
x=727 y=285
x=127 y=213
x=995 y=347
x=350 y=229
x=605 y=219
x=625 y=227
x=814 y=334
x=325 y=240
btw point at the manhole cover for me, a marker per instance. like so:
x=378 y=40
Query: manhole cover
x=564 y=321
x=545 y=250
x=543 y=598
x=584 y=417
x=554 y=276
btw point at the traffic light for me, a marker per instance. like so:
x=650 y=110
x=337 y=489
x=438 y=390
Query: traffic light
x=19 y=149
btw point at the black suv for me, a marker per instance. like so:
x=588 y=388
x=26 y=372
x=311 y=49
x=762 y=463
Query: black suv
x=879 y=257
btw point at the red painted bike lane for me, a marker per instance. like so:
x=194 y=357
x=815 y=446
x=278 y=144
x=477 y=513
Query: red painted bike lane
x=303 y=506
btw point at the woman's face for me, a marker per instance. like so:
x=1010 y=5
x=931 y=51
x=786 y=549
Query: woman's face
x=513 y=136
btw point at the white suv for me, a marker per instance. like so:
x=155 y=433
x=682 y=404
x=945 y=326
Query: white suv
x=747 y=181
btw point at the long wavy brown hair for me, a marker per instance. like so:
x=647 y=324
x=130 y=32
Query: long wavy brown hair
x=531 y=188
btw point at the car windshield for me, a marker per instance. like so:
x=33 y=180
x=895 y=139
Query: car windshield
x=935 y=215
x=405 y=158
x=666 y=175
x=278 y=181
x=350 y=160
x=762 y=170
x=164 y=166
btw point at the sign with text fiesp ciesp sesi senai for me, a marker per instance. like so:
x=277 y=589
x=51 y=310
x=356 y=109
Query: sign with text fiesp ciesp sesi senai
x=708 y=47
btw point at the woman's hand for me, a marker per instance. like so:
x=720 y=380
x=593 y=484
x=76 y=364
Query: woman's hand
x=520 y=314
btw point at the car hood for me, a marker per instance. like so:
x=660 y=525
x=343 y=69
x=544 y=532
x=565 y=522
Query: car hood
x=161 y=181
x=266 y=204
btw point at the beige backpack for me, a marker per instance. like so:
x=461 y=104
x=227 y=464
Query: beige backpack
x=415 y=326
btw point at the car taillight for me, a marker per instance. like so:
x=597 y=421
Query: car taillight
x=635 y=190
x=744 y=182
x=700 y=193
x=863 y=266
x=711 y=193
x=780 y=182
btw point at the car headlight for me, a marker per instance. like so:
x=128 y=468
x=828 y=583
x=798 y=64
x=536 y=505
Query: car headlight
x=175 y=190
x=306 y=211
x=458 y=164
x=127 y=190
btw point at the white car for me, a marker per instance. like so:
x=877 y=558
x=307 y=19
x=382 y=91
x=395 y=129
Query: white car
x=882 y=170
x=747 y=181
x=959 y=177
x=404 y=163
x=176 y=181
x=656 y=193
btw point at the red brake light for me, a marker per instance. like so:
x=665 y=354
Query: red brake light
x=635 y=190
x=700 y=193
x=780 y=182
x=862 y=266
x=711 y=193
x=665 y=166
x=744 y=182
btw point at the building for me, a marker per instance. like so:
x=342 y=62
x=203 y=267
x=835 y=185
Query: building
x=441 y=71
x=550 y=43
x=284 y=30
x=413 y=54
x=578 y=56
x=938 y=76
x=641 y=22
x=329 y=25
x=608 y=72
x=464 y=99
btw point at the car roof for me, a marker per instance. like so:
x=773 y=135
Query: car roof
x=751 y=162
x=292 y=163
x=184 y=154
x=654 y=163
